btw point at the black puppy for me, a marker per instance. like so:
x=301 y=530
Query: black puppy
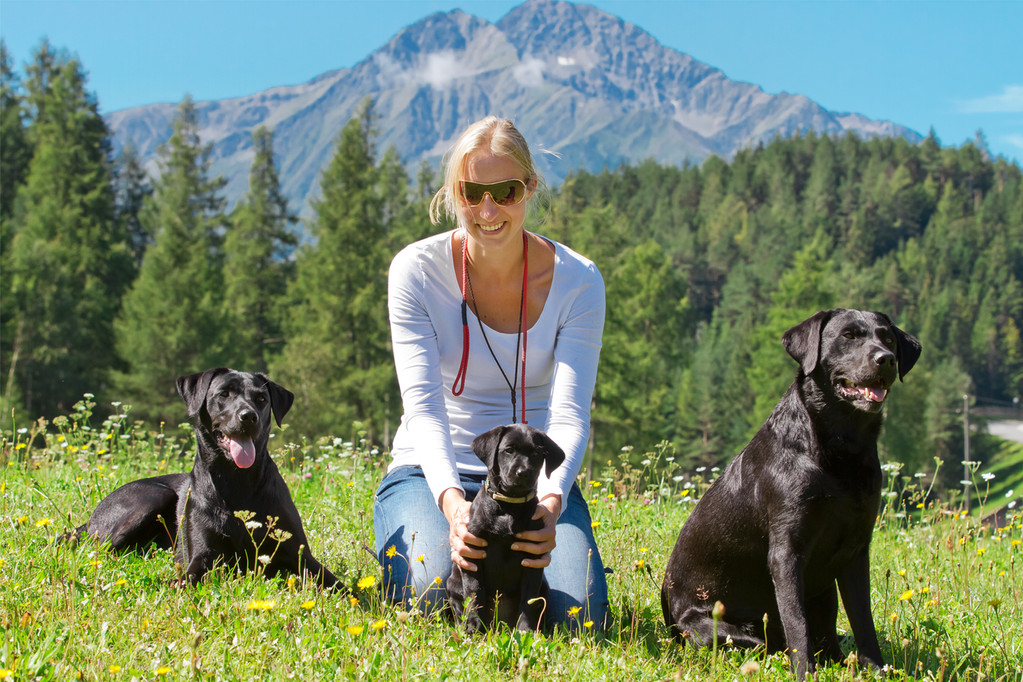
x=792 y=515
x=502 y=588
x=233 y=507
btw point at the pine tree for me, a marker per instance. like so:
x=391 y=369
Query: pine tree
x=337 y=357
x=257 y=264
x=15 y=155
x=17 y=152
x=132 y=187
x=68 y=262
x=171 y=321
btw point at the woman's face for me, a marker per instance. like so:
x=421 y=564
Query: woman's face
x=489 y=222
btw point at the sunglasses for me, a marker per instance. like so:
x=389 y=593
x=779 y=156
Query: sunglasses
x=504 y=193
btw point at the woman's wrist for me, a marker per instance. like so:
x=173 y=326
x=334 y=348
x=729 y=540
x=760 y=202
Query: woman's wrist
x=451 y=500
x=553 y=504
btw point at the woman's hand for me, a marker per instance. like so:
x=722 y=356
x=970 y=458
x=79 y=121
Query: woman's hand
x=540 y=542
x=464 y=545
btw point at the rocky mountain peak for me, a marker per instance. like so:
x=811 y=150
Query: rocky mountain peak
x=578 y=81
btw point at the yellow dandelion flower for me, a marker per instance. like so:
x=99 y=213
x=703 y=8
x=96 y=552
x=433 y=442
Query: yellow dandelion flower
x=436 y=581
x=354 y=630
x=391 y=551
x=981 y=550
x=574 y=610
x=5 y=673
x=121 y=583
x=1015 y=543
x=162 y=670
x=379 y=624
x=367 y=582
x=421 y=558
x=925 y=589
x=291 y=583
x=594 y=524
x=45 y=521
x=354 y=601
x=144 y=624
x=20 y=446
x=95 y=563
x=932 y=603
x=907 y=595
x=610 y=496
x=642 y=550
x=962 y=540
x=588 y=624
x=22 y=520
x=903 y=573
x=308 y=605
x=640 y=563
x=261 y=605
x=114 y=669
x=894 y=617
x=595 y=484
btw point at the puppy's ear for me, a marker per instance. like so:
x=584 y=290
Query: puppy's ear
x=485 y=445
x=803 y=342
x=553 y=455
x=907 y=348
x=193 y=387
x=281 y=399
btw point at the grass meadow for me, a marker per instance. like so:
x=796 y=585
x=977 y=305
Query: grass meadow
x=946 y=588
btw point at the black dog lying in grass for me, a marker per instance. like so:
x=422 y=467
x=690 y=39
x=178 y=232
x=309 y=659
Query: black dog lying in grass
x=233 y=507
x=792 y=515
x=502 y=589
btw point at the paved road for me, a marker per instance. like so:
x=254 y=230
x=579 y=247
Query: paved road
x=1009 y=430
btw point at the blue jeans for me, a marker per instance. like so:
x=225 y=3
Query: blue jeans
x=406 y=517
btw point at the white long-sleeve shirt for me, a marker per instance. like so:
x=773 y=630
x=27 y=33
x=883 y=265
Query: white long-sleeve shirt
x=437 y=428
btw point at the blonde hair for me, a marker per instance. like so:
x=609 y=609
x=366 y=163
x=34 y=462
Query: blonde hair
x=499 y=137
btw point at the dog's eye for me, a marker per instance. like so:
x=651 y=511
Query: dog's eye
x=849 y=335
x=261 y=398
x=225 y=394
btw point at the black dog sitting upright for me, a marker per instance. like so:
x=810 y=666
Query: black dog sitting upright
x=233 y=472
x=793 y=514
x=502 y=589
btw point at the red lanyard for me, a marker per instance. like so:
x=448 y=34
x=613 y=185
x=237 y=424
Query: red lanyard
x=459 y=384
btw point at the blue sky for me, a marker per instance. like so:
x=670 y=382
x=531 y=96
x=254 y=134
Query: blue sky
x=954 y=65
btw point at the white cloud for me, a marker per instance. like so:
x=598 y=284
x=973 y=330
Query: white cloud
x=529 y=72
x=566 y=61
x=441 y=68
x=1008 y=101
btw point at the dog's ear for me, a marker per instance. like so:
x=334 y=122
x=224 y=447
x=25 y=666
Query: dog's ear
x=485 y=445
x=907 y=350
x=281 y=399
x=803 y=342
x=193 y=387
x=553 y=455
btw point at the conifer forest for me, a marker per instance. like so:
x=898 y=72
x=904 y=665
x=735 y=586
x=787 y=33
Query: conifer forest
x=115 y=281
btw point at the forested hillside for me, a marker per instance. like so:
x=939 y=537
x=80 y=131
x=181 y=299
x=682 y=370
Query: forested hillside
x=114 y=283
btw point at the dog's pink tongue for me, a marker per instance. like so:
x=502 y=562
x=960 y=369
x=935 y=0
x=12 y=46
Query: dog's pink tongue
x=242 y=451
x=875 y=394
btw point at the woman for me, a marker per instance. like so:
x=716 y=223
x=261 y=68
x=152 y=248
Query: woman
x=490 y=324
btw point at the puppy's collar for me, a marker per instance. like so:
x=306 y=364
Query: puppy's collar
x=505 y=498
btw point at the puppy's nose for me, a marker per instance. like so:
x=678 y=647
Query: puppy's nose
x=884 y=359
x=248 y=417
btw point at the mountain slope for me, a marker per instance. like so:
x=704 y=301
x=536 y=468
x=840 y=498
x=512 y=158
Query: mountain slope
x=579 y=82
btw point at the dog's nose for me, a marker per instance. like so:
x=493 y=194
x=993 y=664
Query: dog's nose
x=248 y=417
x=884 y=359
